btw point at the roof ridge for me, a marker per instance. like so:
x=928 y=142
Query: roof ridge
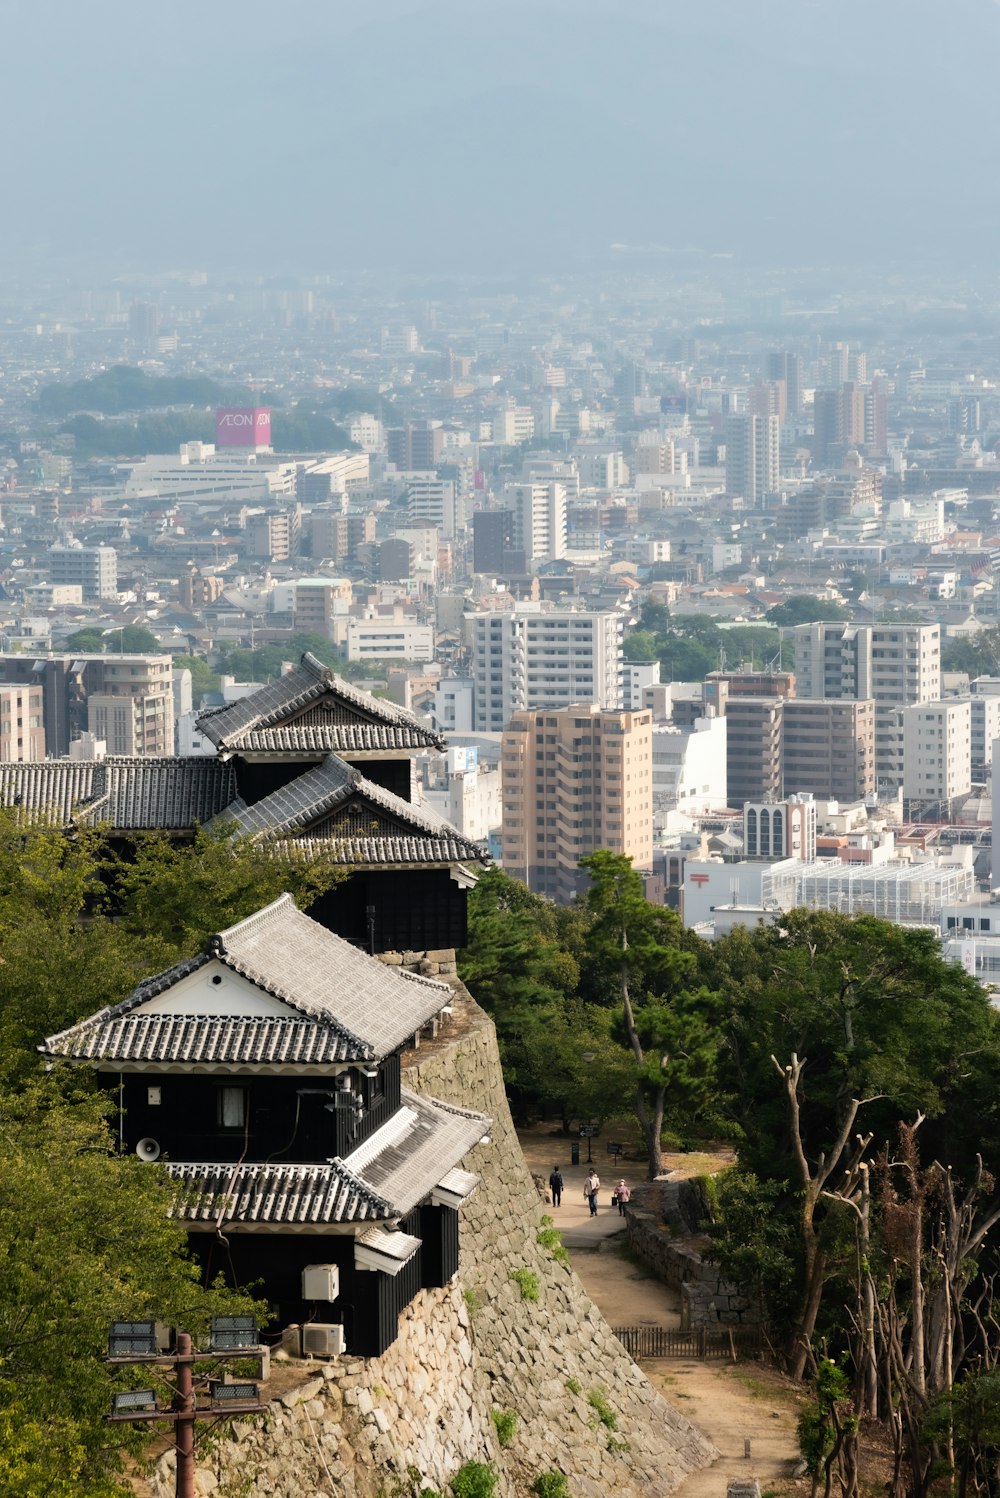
x=217 y=942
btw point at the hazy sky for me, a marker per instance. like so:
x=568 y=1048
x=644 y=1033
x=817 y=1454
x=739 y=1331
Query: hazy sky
x=333 y=135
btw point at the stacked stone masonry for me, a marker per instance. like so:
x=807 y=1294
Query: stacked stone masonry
x=365 y=1428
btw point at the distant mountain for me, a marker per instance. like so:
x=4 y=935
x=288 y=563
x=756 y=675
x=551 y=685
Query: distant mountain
x=453 y=134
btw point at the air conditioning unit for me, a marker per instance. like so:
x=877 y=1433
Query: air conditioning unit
x=322 y=1340
x=320 y=1282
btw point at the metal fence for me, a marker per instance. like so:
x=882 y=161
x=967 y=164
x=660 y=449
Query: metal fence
x=703 y=1342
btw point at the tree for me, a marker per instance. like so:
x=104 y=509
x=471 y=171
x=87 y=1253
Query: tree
x=668 y=1027
x=805 y=609
x=640 y=645
x=203 y=678
x=80 y=927
x=87 y=1240
x=516 y=969
x=131 y=639
x=978 y=654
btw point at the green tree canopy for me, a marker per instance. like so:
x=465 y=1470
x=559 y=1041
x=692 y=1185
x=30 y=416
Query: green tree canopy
x=87 y=1241
x=805 y=609
x=130 y=639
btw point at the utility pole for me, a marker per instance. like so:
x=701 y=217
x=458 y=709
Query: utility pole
x=134 y=1343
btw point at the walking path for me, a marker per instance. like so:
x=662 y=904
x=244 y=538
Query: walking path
x=731 y=1403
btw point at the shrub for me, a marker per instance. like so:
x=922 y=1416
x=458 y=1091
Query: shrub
x=550 y=1485
x=599 y=1404
x=574 y=1386
x=471 y=1303
x=505 y=1424
x=475 y=1480
x=527 y=1282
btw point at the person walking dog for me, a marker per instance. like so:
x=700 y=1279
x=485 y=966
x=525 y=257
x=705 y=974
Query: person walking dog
x=591 y=1187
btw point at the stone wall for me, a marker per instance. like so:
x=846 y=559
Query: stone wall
x=706 y=1298
x=484 y=1344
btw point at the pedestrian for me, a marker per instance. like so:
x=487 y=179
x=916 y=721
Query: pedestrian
x=556 y=1186
x=622 y=1196
x=591 y=1187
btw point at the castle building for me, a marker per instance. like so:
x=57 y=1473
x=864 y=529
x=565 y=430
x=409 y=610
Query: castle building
x=265 y=1074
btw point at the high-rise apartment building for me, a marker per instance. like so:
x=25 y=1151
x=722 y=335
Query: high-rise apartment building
x=753 y=748
x=493 y=543
x=93 y=568
x=753 y=456
x=539 y=518
x=275 y=537
x=530 y=659
x=575 y=781
x=787 y=367
x=828 y=748
x=418 y=445
x=937 y=756
x=898 y=665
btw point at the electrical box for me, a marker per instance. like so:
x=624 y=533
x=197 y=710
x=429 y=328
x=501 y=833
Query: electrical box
x=320 y=1282
x=321 y=1340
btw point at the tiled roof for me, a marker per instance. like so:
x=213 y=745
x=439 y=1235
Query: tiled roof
x=369 y=1009
x=393 y=1171
x=261 y=720
x=290 y=1194
x=329 y=788
x=385 y=851
x=131 y=794
x=206 y=1039
x=406 y=1158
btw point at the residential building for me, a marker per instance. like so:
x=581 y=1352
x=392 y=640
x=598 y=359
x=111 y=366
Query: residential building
x=493 y=544
x=985 y=729
x=897 y=665
x=753 y=457
x=574 y=781
x=397 y=639
x=828 y=748
x=92 y=568
x=529 y=659
x=539 y=520
x=275 y=537
x=937 y=756
x=753 y=748
x=637 y=676
x=318 y=600
x=22 y=731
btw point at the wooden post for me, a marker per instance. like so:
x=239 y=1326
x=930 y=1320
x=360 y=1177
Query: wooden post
x=184 y=1417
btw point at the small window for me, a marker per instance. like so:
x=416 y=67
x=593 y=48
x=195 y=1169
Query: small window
x=232 y=1107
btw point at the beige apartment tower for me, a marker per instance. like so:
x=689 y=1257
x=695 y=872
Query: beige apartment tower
x=575 y=780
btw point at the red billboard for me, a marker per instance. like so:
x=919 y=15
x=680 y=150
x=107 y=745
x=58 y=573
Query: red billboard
x=243 y=426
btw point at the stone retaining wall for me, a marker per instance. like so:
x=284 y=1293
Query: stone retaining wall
x=361 y=1428
x=706 y=1298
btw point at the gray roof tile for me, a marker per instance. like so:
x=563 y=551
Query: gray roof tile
x=390 y=1174
x=131 y=794
x=369 y=1008
x=265 y=719
x=328 y=790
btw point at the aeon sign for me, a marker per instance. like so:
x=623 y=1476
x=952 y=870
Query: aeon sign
x=243 y=426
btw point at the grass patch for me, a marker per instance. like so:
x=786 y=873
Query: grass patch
x=574 y=1386
x=475 y=1480
x=550 y=1485
x=598 y=1401
x=527 y=1282
x=551 y=1238
x=505 y=1424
